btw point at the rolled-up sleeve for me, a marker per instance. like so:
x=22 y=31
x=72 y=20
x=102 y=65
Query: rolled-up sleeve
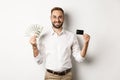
x=39 y=59
x=41 y=56
x=76 y=50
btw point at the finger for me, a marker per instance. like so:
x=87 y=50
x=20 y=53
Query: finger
x=86 y=37
x=33 y=40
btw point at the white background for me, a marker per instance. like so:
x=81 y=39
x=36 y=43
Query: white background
x=99 y=18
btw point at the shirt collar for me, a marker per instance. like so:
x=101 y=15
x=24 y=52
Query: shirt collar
x=53 y=32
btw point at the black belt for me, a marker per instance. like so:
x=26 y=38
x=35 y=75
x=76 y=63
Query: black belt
x=59 y=73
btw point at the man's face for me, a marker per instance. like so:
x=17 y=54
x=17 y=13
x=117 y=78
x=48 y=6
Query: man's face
x=57 y=19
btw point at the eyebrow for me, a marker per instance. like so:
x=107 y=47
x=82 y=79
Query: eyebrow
x=59 y=15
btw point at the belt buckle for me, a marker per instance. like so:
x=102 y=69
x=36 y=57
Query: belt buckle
x=59 y=73
x=63 y=73
x=53 y=72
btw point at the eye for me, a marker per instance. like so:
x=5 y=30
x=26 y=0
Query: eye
x=54 y=16
x=60 y=17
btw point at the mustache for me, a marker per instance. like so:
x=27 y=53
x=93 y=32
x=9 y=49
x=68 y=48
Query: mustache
x=57 y=26
x=57 y=22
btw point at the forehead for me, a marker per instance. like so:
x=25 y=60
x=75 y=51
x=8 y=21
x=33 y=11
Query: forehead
x=57 y=12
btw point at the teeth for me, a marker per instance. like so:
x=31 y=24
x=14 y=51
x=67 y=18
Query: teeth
x=34 y=29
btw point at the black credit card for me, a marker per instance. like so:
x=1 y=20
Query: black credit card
x=80 y=32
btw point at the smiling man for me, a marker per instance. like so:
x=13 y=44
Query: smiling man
x=57 y=18
x=56 y=47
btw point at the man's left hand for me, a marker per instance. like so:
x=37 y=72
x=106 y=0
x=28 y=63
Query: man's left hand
x=86 y=38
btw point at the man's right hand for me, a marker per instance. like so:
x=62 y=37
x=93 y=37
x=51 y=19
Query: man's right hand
x=33 y=40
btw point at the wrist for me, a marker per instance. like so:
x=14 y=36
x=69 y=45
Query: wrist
x=34 y=45
x=86 y=42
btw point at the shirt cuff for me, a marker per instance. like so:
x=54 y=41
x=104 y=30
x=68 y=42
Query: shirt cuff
x=39 y=59
x=79 y=58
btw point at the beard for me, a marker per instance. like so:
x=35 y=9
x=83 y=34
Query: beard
x=59 y=25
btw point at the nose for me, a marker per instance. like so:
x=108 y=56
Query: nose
x=57 y=19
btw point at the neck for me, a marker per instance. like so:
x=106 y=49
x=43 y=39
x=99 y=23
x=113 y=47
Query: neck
x=57 y=30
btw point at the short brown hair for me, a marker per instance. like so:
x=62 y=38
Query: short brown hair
x=57 y=8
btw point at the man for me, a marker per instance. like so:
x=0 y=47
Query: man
x=56 y=46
